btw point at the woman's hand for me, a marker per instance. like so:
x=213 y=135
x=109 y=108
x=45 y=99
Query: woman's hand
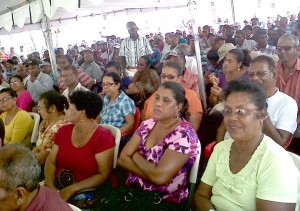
x=216 y=91
x=213 y=79
x=67 y=192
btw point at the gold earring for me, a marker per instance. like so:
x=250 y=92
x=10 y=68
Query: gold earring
x=81 y=119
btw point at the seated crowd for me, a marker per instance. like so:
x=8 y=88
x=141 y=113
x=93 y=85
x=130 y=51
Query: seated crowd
x=251 y=81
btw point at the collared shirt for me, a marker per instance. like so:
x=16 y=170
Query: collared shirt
x=93 y=70
x=114 y=114
x=42 y=84
x=165 y=51
x=67 y=93
x=269 y=49
x=248 y=44
x=134 y=49
x=290 y=85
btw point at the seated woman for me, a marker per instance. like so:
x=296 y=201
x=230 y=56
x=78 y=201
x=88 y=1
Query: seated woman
x=18 y=123
x=51 y=107
x=235 y=67
x=24 y=100
x=163 y=149
x=146 y=80
x=118 y=109
x=82 y=155
x=249 y=171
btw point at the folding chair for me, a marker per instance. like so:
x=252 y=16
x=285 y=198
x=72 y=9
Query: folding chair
x=35 y=132
x=193 y=177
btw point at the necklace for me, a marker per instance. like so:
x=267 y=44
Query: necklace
x=80 y=137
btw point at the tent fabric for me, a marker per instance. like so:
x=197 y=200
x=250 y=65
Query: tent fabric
x=18 y=12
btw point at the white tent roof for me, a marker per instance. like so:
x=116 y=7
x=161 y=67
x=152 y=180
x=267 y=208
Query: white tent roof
x=17 y=14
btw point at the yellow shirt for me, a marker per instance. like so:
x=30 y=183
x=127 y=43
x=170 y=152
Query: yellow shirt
x=19 y=130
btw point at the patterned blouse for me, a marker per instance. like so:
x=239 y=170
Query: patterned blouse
x=182 y=139
x=46 y=135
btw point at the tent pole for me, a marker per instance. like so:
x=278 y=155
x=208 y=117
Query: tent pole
x=48 y=39
x=192 y=6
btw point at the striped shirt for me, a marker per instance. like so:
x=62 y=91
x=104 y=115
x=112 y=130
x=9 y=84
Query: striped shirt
x=134 y=49
x=84 y=79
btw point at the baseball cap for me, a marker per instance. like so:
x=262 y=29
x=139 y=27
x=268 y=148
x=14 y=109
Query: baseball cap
x=32 y=63
x=44 y=63
x=223 y=50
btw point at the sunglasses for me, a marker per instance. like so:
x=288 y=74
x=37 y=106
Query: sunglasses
x=285 y=48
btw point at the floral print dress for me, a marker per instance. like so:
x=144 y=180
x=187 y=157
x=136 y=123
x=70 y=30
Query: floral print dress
x=182 y=139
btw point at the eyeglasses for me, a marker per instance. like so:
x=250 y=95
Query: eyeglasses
x=5 y=99
x=107 y=84
x=259 y=74
x=240 y=112
x=285 y=48
x=170 y=77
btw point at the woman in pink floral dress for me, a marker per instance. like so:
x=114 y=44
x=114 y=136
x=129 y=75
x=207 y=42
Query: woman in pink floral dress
x=163 y=149
x=51 y=107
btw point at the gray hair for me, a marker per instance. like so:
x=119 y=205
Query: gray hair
x=18 y=168
x=290 y=37
x=183 y=49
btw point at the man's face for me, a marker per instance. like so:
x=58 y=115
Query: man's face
x=174 y=40
x=46 y=55
x=7 y=200
x=61 y=63
x=113 y=69
x=132 y=29
x=74 y=54
x=9 y=65
x=286 y=50
x=22 y=71
x=33 y=70
x=260 y=74
x=218 y=44
x=88 y=56
x=69 y=77
x=229 y=32
x=262 y=40
x=239 y=39
x=254 y=23
x=168 y=39
x=248 y=33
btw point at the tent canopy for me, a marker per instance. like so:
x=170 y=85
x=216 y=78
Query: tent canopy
x=20 y=15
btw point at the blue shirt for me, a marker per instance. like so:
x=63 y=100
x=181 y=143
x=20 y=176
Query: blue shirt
x=114 y=114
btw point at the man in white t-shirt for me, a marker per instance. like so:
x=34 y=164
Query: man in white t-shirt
x=281 y=122
x=70 y=78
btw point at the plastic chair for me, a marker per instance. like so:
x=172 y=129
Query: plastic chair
x=193 y=177
x=117 y=134
x=137 y=118
x=209 y=149
x=35 y=132
x=73 y=207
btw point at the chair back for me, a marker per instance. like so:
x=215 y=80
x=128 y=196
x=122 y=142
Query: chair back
x=193 y=176
x=35 y=132
x=117 y=134
x=73 y=207
x=137 y=118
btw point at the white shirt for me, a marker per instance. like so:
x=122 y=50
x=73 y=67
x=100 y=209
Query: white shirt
x=248 y=44
x=67 y=93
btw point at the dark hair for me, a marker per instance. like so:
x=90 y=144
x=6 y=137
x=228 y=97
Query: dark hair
x=179 y=96
x=18 y=77
x=68 y=58
x=19 y=168
x=213 y=55
x=247 y=27
x=219 y=38
x=2 y=132
x=266 y=59
x=10 y=61
x=10 y=91
x=113 y=64
x=261 y=32
x=116 y=78
x=257 y=93
x=241 y=33
x=71 y=67
x=53 y=98
x=174 y=65
x=88 y=101
x=242 y=55
x=147 y=59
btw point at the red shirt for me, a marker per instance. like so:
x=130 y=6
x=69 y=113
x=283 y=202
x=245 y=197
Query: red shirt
x=81 y=160
x=47 y=199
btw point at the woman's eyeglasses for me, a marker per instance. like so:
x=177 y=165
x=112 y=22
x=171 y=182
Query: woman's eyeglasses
x=240 y=112
x=285 y=48
x=170 y=77
x=107 y=84
x=4 y=99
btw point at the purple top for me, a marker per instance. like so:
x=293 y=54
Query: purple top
x=183 y=139
x=24 y=101
x=223 y=83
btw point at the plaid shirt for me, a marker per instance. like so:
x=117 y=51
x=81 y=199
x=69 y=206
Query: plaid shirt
x=114 y=114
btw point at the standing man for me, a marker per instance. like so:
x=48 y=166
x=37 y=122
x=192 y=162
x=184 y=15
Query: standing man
x=132 y=48
x=288 y=70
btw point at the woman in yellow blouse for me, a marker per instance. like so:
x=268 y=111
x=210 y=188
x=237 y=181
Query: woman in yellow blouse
x=18 y=123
